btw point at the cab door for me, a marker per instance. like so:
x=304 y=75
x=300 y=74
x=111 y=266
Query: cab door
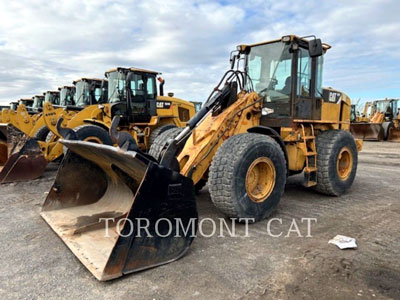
x=304 y=93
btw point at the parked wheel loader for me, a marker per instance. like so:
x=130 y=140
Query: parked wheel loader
x=25 y=142
x=376 y=121
x=132 y=95
x=258 y=127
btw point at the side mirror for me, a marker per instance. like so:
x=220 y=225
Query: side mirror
x=315 y=48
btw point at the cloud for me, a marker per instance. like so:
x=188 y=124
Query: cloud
x=46 y=44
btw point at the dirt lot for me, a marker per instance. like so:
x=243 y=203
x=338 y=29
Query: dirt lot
x=35 y=264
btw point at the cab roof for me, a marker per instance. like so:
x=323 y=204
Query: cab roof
x=133 y=69
x=87 y=79
x=291 y=38
x=66 y=87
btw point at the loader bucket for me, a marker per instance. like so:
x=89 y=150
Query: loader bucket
x=367 y=131
x=96 y=182
x=20 y=156
x=394 y=134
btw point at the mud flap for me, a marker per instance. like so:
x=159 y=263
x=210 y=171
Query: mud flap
x=394 y=134
x=101 y=191
x=21 y=158
x=367 y=131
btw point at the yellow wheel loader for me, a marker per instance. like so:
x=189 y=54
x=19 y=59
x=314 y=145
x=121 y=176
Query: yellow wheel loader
x=143 y=114
x=376 y=121
x=258 y=126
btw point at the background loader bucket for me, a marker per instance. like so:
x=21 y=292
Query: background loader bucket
x=98 y=181
x=20 y=156
x=367 y=131
x=394 y=134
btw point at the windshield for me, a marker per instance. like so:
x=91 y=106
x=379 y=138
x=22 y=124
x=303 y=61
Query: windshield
x=269 y=67
x=66 y=97
x=141 y=86
x=116 y=87
x=37 y=102
x=381 y=106
x=53 y=98
x=27 y=103
x=82 y=94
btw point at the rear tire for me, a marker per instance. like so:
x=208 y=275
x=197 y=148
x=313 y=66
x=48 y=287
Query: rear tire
x=337 y=160
x=94 y=134
x=159 y=143
x=247 y=176
x=42 y=133
x=156 y=132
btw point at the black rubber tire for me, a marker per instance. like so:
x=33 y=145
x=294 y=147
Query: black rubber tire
x=156 y=132
x=228 y=171
x=88 y=130
x=329 y=144
x=158 y=146
x=386 y=128
x=42 y=133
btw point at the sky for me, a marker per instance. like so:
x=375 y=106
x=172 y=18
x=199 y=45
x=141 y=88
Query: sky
x=46 y=44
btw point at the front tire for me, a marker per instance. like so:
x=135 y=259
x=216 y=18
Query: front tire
x=337 y=160
x=157 y=148
x=247 y=176
x=93 y=134
x=42 y=134
x=159 y=130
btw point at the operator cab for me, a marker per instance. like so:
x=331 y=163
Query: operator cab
x=67 y=94
x=52 y=97
x=28 y=104
x=132 y=93
x=89 y=91
x=288 y=74
x=13 y=106
x=37 y=103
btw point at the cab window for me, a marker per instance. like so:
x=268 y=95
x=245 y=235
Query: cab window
x=304 y=73
x=151 y=87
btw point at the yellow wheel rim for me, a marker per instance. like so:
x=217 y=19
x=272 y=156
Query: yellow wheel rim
x=344 y=163
x=260 y=179
x=93 y=139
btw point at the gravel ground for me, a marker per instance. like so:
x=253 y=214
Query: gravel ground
x=35 y=263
